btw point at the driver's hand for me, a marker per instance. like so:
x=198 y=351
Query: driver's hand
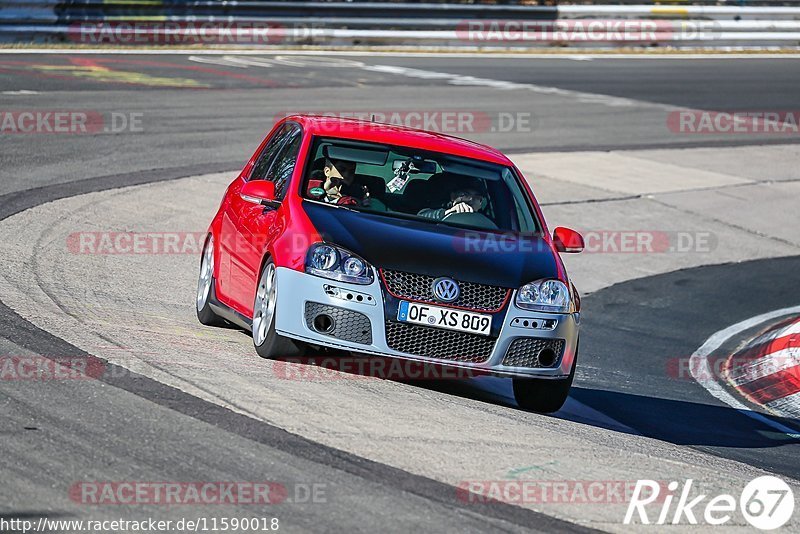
x=333 y=191
x=461 y=207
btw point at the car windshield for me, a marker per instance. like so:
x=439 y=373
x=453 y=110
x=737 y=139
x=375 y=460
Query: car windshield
x=408 y=183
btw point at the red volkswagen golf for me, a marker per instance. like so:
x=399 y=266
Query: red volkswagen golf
x=395 y=242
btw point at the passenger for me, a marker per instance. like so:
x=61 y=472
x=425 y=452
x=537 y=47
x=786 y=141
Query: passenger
x=463 y=199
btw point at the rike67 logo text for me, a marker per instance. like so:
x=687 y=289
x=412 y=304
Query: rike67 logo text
x=766 y=503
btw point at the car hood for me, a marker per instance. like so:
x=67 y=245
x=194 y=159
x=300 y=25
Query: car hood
x=493 y=258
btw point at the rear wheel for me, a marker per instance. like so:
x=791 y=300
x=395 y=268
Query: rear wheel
x=204 y=283
x=543 y=395
x=268 y=343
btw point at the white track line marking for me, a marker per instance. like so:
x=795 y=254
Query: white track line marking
x=452 y=79
x=311 y=61
x=458 y=79
x=20 y=92
x=374 y=53
x=700 y=368
x=271 y=61
x=250 y=61
x=223 y=61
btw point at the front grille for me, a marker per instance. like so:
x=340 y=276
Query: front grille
x=419 y=287
x=438 y=343
x=524 y=352
x=347 y=325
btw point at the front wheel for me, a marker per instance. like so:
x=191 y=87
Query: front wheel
x=268 y=343
x=543 y=395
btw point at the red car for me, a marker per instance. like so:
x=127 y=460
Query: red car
x=394 y=242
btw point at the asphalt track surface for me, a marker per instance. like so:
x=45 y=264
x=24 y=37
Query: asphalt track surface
x=132 y=427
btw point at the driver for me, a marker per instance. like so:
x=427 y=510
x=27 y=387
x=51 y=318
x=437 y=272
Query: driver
x=340 y=183
x=463 y=199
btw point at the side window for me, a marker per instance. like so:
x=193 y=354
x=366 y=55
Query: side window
x=267 y=155
x=281 y=170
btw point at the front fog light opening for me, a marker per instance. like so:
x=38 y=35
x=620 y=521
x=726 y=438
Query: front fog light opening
x=547 y=357
x=323 y=323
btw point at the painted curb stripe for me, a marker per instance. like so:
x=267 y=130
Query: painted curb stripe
x=773 y=372
x=772 y=387
x=741 y=373
x=765 y=349
x=787 y=329
x=701 y=368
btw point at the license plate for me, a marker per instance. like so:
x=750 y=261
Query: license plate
x=450 y=319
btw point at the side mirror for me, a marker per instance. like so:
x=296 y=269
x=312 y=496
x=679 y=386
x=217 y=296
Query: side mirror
x=567 y=240
x=260 y=192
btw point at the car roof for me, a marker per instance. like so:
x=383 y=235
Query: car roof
x=389 y=134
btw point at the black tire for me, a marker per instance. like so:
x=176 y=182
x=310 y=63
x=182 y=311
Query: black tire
x=202 y=303
x=542 y=395
x=273 y=345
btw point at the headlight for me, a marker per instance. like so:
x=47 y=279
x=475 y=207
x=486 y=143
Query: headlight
x=544 y=295
x=329 y=261
x=323 y=258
